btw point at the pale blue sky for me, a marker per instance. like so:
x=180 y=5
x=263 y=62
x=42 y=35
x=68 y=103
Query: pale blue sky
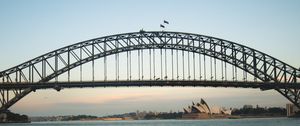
x=33 y=27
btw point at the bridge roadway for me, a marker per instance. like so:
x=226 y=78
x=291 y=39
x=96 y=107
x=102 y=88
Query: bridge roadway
x=149 y=83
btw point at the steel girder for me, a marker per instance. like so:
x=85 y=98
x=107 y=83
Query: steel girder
x=50 y=65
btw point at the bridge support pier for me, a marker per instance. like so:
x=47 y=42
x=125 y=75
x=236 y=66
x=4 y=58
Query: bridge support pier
x=9 y=117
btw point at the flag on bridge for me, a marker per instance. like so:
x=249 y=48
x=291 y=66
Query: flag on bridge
x=166 y=22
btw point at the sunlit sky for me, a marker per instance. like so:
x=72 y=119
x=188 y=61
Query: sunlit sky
x=33 y=27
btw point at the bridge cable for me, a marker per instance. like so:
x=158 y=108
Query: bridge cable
x=183 y=62
x=172 y=53
x=154 y=64
x=211 y=69
x=244 y=78
x=215 y=62
x=177 y=75
x=80 y=65
x=225 y=65
x=29 y=73
x=200 y=65
x=150 y=62
x=194 y=60
x=130 y=65
x=166 y=68
x=68 y=65
x=233 y=66
x=16 y=76
x=142 y=53
x=222 y=62
x=93 y=63
x=127 y=59
x=189 y=71
x=161 y=64
x=116 y=62
x=232 y=72
x=56 y=67
x=105 y=65
x=210 y=59
x=225 y=72
x=245 y=61
x=177 y=65
x=204 y=64
x=222 y=70
x=139 y=65
x=118 y=55
x=236 y=78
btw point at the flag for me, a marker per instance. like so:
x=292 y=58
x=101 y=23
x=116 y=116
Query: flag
x=162 y=26
x=166 y=22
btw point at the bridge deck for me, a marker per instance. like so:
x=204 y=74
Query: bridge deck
x=149 y=83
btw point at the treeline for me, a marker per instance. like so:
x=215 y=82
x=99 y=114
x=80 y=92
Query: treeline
x=148 y=115
x=259 y=111
x=131 y=114
x=171 y=115
x=78 y=117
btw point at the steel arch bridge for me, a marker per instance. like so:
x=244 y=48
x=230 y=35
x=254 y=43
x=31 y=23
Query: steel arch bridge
x=44 y=71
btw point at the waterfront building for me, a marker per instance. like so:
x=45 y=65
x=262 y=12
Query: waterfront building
x=202 y=110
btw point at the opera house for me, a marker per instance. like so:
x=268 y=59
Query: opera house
x=201 y=110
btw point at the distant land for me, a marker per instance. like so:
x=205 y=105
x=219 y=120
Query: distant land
x=247 y=111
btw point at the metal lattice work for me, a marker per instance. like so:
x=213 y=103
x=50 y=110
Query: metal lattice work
x=43 y=71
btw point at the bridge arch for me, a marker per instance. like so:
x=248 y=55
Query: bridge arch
x=262 y=66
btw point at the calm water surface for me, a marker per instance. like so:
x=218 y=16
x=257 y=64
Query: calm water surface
x=218 y=122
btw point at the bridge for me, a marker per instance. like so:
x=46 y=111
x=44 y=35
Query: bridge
x=150 y=58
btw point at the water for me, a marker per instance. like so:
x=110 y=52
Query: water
x=217 y=122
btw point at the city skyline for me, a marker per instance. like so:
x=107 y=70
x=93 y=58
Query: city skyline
x=34 y=28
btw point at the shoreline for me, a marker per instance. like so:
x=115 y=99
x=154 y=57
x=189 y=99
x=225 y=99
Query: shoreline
x=120 y=119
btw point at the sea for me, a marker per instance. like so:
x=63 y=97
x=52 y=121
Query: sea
x=211 y=122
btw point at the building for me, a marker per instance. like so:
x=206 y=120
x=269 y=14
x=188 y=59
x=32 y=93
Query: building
x=202 y=110
x=247 y=107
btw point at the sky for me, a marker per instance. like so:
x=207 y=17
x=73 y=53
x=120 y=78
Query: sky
x=33 y=27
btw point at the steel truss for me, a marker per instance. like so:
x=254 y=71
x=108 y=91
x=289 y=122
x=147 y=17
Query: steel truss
x=50 y=66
